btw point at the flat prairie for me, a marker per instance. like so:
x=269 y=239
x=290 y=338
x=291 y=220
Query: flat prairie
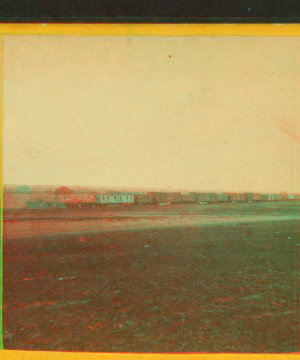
x=219 y=278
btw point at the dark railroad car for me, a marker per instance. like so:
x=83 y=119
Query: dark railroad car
x=142 y=199
x=204 y=198
x=188 y=198
x=150 y=199
x=20 y=201
x=252 y=196
x=222 y=197
x=270 y=197
x=282 y=196
x=166 y=197
x=238 y=197
x=264 y=197
x=76 y=203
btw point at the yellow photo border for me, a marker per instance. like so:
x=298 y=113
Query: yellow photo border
x=130 y=30
x=152 y=29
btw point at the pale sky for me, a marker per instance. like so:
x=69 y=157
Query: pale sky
x=198 y=113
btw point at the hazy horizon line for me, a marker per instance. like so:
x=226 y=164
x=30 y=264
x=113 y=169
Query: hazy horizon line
x=142 y=188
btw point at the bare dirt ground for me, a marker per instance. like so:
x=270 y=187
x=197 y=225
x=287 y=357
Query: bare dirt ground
x=26 y=223
x=199 y=278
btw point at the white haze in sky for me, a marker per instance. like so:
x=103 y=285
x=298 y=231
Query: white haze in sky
x=197 y=113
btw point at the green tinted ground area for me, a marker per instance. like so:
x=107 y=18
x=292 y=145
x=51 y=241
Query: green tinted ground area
x=222 y=288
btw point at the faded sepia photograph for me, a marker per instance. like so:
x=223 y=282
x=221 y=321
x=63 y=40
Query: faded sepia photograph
x=151 y=194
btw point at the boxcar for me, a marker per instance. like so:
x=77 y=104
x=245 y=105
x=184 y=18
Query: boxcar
x=77 y=198
x=222 y=197
x=282 y=196
x=264 y=197
x=188 y=198
x=250 y=197
x=162 y=198
x=237 y=197
x=143 y=199
x=204 y=198
x=272 y=197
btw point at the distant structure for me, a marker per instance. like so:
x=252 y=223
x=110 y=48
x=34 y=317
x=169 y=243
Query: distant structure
x=63 y=190
x=63 y=197
x=24 y=189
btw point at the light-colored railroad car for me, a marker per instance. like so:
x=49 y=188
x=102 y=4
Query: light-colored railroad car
x=291 y=197
x=105 y=199
x=41 y=204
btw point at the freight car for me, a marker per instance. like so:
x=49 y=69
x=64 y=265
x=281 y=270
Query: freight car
x=291 y=197
x=93 y=200
x=120 y=199
x=165 y=197
x=77 y=198
x=264 y=197
x=222 y=197
x=188 y=198
x=99 y=200
x=205 y=198
x=283 y=196
x=269 y=197
x=250 y=197
x=233 y=198
x=143 y=199
x=80 y=204
x=40 y=204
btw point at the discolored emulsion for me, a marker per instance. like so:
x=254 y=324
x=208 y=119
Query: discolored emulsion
x=230 y=287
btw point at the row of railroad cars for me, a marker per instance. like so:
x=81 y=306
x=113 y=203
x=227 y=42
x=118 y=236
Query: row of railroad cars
x=43 y=200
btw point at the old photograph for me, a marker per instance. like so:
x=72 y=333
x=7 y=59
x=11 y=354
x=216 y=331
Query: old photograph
x=151 y=193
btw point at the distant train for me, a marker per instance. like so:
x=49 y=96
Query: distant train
x=152 y=198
